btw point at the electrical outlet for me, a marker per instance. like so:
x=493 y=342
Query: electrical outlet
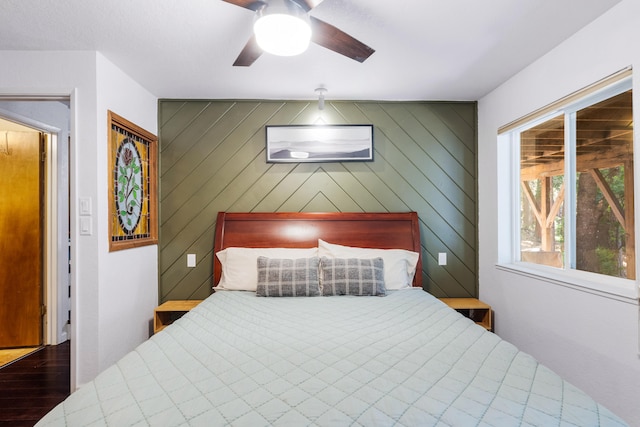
x=442 y=258
x=191 y=260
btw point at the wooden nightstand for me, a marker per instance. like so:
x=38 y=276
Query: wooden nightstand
x=472 y=308
x=170 y=311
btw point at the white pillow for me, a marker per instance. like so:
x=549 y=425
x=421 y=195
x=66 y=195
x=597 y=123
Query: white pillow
x=240 y=265
x=399 y=264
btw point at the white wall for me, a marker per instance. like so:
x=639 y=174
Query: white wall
x=128 y=278
x=590 y=340
x=104 y=322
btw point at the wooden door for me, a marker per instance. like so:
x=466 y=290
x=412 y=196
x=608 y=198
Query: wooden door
x=21 y=223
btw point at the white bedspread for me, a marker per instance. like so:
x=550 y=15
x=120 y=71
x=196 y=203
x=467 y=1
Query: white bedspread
x=405 y=359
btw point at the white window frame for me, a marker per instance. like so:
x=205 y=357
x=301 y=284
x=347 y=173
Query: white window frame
x=509 y=200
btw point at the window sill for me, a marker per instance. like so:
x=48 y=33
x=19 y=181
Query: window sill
x=609 y=287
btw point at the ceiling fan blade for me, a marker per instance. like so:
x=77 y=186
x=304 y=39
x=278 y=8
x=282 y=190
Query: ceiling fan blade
x=326 y=35
x=249 y=54
x=307 y=5
x=247 y=4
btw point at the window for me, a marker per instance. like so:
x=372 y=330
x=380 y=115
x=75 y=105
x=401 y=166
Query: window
x=573 y=210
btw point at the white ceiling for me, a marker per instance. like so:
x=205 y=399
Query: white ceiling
x=425 y=49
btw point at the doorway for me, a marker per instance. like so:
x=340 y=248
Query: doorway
x=50 y=116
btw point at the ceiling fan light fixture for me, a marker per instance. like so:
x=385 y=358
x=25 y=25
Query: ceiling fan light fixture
x=282 y=28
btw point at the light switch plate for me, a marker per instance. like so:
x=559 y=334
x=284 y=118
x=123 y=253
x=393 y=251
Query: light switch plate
x=442 y=258
x=85 y=226
x=85 y=206
x=191 y=260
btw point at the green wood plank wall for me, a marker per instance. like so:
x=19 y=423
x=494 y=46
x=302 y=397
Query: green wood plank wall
x=212 y=158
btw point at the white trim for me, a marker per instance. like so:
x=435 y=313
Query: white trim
x=568 y=100
x=53 y=333
x=26 y=121
x=570 y=193
x=51 y=238
x=73 y=247
x=617 y=289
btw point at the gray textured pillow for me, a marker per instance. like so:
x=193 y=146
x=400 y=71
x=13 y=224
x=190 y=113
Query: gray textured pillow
x=352 y=276
x=287 y=277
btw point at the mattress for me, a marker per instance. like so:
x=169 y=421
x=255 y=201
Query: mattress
x=405 y=359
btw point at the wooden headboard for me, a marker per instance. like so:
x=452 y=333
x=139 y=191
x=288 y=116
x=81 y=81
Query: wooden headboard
x=303 y=229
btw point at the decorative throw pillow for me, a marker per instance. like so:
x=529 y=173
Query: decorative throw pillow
x=278 y=277
x=238 y=264
x=352 y=276
x=399 y=264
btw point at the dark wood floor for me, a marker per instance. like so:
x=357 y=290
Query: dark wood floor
x=32 y=386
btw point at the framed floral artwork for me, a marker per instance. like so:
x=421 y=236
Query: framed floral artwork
x=133 y=185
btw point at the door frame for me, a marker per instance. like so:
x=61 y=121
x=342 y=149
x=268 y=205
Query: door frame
x=52 y=234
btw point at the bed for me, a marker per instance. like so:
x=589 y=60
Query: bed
x=363 y=355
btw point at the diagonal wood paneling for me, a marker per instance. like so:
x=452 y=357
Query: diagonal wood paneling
x=212 y=158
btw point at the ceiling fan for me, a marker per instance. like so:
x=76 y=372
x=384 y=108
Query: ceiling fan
x=322 y=33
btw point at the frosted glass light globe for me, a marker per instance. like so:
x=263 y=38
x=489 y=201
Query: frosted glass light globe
x=282 y=34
